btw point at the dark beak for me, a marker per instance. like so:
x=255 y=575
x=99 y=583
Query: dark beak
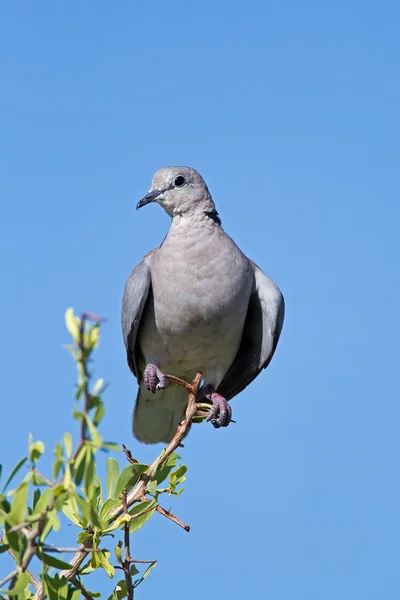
x=150 y=197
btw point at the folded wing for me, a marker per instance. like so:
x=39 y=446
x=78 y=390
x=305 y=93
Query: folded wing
x=261 y=331
x=137 y=290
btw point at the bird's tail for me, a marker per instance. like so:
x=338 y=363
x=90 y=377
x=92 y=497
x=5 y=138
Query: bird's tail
x=157 y=416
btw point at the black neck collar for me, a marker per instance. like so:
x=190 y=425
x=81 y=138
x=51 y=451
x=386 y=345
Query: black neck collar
x=212 y=214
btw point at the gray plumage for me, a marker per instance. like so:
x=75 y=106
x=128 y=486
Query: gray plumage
x=196 y=303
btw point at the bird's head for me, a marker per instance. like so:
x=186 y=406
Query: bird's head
x=180 y=191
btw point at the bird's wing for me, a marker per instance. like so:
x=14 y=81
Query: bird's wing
x=261 y=333
x=137 y=289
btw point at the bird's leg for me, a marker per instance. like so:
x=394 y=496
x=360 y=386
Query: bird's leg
x=220 y=413
x=154 y=379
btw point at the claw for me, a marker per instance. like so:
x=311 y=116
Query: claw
x=154 y=379
x=220 y=414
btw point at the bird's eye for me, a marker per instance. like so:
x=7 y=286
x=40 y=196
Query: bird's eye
x=179 y=181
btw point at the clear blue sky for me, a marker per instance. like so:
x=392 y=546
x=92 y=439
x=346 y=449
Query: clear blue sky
x=290 y=110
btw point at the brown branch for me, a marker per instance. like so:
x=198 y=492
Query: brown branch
x=76 y=561
x=30 y=552
x=127 y=561
x=62 y=550
x=129 y=456
x=140 y=488
x=181 y=383
x=182 y=429
x=169 y=515
x=142 y=562
x=75 y=581
x=92 y=317
x=34 y=581
x=9 y=576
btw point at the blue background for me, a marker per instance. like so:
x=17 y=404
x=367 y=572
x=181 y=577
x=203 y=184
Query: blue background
x=290 y=111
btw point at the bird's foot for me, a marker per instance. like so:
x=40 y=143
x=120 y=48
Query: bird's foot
x=154 y=379
x=220 y=414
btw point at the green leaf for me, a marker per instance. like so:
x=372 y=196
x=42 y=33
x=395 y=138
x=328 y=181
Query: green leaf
x=152 y=487
x=43 y=502
x=97 y=386
x=50 y=587
x=117 y=523
x=71 y=510
x=119 y=591
x=94 y=336
x=67 y=479
x=141 y=519
x=15 y=471
x=80 y=390
x=128 y=477
x=139 y=507
x=149 y=568
x=52 y=522
x=98 y=414
x=112 y=476
x=147 y=571
x=118 y=552
x=68 y=444
x=94 y=434
x=52 y=561
x=17 y=542
x=112 y=446
x=89 y=512
x=79 y=464
x=107 y=508
x=21 y=584
x=162 y=472
x=84 y=538
x=58 y=463
x=103 y=557
x=73 y=324
x=90 y=474
x=35 y=478
x=18 y=505
x=36 y=496
x=36 y=450
x=176 y=476
x=133 y=570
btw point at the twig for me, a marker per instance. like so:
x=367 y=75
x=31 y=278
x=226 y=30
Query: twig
x=62 y=550
x=127 y=561
x=129 y=456
x=172 y=517
x=75 y=581
x=142 y=562
x=21 y=526
x=34 y=581
x=45 y=479
x=9 y=576
x=168 y=514
x=92 y=317
x=181 y=383
x=86 y=376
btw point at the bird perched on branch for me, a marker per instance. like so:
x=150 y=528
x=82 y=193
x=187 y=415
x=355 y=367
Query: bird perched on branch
x=196 y=303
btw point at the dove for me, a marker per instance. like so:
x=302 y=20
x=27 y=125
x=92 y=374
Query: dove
x=194 y=304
